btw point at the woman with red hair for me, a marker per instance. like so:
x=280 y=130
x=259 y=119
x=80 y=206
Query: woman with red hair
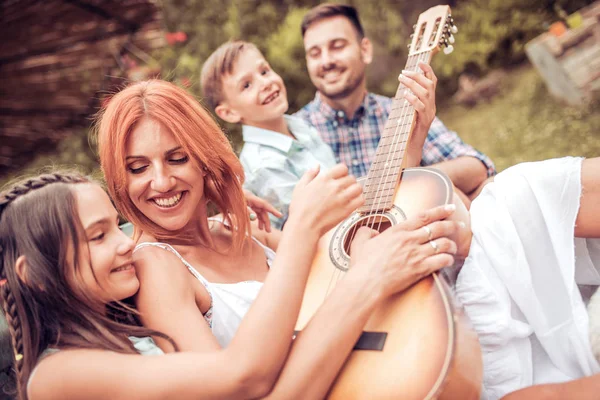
x=167 y=163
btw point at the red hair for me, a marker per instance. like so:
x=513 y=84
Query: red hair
x=197 y=133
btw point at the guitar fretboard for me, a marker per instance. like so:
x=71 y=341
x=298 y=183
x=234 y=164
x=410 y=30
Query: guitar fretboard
x=384 y=174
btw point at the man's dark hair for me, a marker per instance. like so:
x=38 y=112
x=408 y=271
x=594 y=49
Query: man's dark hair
x=329 y=10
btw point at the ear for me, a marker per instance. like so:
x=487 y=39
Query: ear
x=21 y=267
x=226 y=113
x=366 y=50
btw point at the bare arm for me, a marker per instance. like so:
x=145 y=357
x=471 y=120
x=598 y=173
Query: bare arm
x=466 y=172
x=588 y=218
x=580 y=389
x=99 y=374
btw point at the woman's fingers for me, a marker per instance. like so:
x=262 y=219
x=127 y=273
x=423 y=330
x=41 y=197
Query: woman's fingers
x=308 y=176
x=338 y=171
x=427 y=217
x=362 y=235
x=437 y=246
x=436 y=230
x=435 y=263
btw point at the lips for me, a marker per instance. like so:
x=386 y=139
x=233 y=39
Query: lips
x=271 y=97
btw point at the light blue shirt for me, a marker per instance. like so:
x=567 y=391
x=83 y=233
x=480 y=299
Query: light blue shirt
x=274 y=163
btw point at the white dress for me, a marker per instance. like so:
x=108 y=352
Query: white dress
x=519 y=284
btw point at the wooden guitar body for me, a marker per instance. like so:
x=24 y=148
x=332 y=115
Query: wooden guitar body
x=427 y=349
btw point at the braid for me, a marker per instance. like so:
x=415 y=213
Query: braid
x=7 y=297
x=24 y=187
x=14 y=326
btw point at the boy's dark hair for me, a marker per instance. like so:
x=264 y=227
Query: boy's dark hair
x=219 y=64
x=329 y=10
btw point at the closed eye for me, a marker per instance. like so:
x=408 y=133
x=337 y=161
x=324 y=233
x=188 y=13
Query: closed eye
x=138 y=170
x=181 y=160
x=97 y=237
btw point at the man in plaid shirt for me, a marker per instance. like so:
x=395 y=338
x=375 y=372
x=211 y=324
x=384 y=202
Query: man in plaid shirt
x=351 y=120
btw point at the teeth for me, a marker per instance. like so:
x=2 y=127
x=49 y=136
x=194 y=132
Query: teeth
x=123 y=268
x=170 y=202
x=271 y=98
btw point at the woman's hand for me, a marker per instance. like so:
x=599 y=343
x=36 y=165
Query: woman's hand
x=406 y=252
x=260 y=209
x=326 y=199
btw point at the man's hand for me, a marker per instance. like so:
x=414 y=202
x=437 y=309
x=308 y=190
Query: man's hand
x=421 y=95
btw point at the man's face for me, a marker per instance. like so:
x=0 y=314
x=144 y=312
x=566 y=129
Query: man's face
x=335 y=57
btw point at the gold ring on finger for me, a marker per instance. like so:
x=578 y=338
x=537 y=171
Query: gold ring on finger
x=428 y=230
x=435 y=246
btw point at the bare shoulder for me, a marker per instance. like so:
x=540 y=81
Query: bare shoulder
x=160 y=264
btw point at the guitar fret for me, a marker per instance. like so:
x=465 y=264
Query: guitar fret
x=388 y=178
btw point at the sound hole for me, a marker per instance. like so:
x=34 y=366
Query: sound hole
x=377 y=222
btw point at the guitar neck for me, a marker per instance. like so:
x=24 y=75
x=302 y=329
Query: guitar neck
x=384 y=174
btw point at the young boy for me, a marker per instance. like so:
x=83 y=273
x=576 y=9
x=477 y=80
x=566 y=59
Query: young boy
x=238 y=83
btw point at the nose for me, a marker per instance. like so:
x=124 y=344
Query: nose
x=326 y=60
x=162 y=181
x=265 y=82
x=125 y=245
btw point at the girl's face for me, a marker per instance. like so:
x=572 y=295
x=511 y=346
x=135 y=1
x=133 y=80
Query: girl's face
x=105 y=261
x=163 y=182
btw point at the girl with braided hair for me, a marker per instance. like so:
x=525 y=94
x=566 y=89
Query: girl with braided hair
x=68 y=272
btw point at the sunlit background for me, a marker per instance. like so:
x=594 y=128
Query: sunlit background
x=61 y=59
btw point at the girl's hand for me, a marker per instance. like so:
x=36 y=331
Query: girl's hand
x=326 y=199
x=406 y=252
x=260 y=209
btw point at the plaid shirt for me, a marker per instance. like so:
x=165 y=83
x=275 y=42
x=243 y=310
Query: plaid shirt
x=354 y=140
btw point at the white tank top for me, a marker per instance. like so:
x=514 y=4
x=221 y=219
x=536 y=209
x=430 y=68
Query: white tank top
x=229 y=301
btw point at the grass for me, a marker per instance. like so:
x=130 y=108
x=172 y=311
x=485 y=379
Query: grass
x=525 y=123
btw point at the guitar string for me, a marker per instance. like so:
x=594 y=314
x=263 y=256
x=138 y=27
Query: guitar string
x=371 y=218
x=390 y=167
x=406 y=115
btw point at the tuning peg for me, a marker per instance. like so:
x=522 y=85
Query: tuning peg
x=454 y=29
x=408 y=46
x=414 y=27
x=451 y=39
x=412 y=35
x=449 y=49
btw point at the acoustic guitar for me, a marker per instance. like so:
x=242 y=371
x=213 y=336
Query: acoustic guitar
x=418 y=344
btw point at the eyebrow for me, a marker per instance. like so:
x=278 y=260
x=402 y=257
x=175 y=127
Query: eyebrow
x=241 y=79
x=167 y=153
x=101 y=221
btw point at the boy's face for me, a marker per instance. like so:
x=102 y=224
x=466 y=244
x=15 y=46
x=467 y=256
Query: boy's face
x=253 y=93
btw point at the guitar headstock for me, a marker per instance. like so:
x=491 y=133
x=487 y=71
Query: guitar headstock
x=434 y=30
